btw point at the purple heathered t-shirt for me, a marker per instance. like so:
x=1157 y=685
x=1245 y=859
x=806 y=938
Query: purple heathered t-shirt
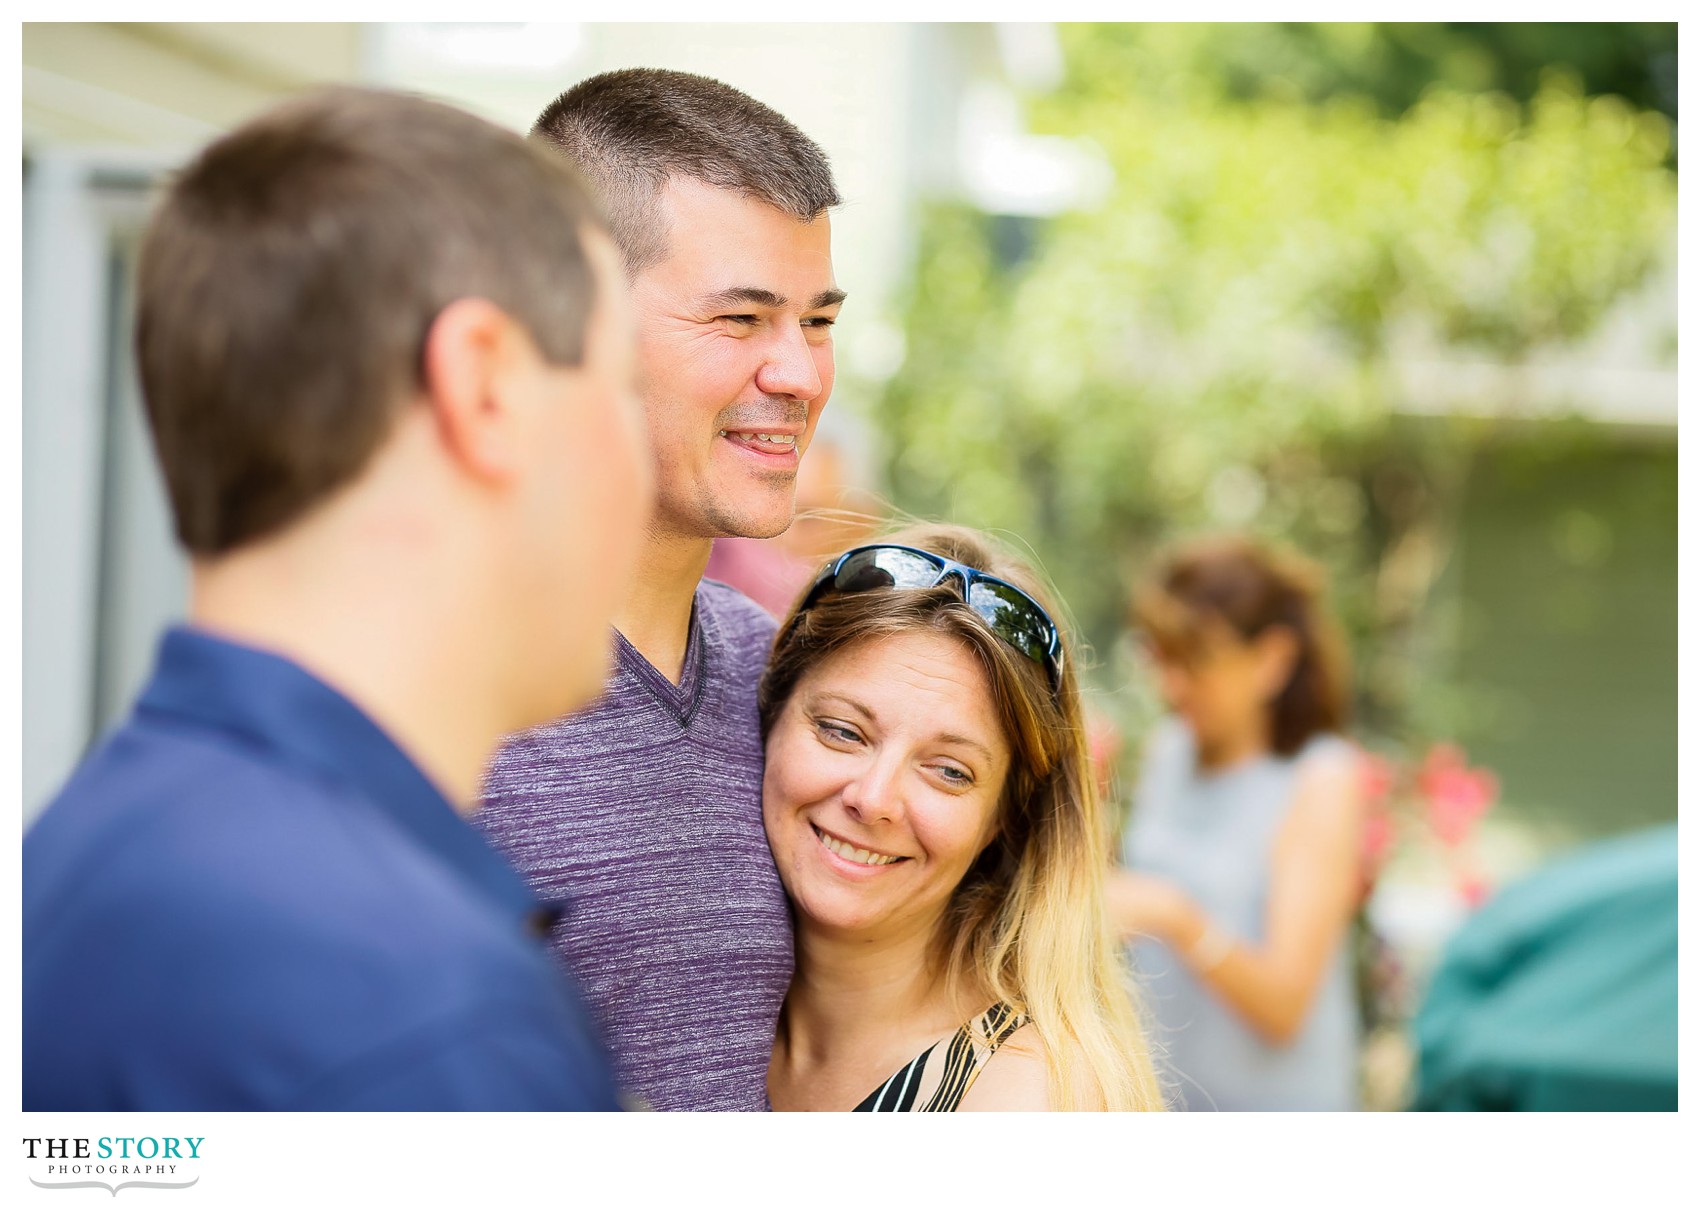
x=644 y=813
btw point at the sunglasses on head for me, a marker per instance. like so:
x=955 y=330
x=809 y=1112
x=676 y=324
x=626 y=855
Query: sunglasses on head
x=1010 y=612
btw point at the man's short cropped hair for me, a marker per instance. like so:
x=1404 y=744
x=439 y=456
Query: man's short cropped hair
x=293 y=270
x=629 y=131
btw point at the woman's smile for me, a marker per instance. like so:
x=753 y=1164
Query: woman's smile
x=861 y=857
x=884 y=773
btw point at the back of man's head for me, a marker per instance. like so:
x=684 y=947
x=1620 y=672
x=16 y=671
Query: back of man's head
x=629 y=131
x=292 y=273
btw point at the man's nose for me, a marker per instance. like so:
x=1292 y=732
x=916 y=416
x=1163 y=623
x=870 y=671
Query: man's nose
x=789 y=368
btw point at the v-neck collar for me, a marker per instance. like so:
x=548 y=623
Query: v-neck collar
x=683 y=700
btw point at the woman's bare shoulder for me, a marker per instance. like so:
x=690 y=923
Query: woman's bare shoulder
x=1018 y=1078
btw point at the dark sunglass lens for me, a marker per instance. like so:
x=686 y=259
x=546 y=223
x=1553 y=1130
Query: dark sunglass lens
x=1013 y=616
x=884 y=568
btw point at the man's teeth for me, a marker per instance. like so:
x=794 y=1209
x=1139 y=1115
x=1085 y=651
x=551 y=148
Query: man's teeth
x=781 y=439
x=854 y=854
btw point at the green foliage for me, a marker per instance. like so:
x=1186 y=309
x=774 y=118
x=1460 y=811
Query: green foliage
x=1216 y=344
x=1390 y=63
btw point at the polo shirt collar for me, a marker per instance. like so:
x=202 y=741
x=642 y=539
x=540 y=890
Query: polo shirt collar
x=265 y=699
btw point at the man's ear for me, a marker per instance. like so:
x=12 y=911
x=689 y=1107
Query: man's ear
x=470 y=364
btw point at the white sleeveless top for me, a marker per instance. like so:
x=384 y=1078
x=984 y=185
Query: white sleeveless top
x=1212 y=833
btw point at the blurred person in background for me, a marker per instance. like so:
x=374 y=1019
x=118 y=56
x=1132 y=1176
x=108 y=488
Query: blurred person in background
x=1243 y=854
x=386 y=354
x=645 y=812
x=933 y=815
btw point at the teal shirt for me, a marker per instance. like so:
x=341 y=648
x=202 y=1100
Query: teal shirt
x=1560 y=994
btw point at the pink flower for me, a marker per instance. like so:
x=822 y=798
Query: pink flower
x=1443 y=758
x=1457 y=795
x=1378 y=777
x=1380 y=832
x=1103 y=744
x=1473 y=889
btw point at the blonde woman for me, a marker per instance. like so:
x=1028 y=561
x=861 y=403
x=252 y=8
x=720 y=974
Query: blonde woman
x=929 y=805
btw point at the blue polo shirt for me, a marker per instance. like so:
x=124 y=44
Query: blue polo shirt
x=248 y=897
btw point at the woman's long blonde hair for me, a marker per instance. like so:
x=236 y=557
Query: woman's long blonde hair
x=1026 y=926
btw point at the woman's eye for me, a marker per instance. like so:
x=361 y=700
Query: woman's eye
x=954 y=775
x=833 y=730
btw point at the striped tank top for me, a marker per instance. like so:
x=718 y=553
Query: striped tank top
x=965 y=1056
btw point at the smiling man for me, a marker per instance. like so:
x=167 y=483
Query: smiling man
x=644 y=813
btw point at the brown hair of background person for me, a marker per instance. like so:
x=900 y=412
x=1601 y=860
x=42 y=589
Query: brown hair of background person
x=1250 y=588
x=629 y=131
x=292 y=273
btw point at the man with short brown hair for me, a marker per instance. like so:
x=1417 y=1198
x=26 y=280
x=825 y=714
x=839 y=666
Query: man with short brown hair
x=644 y=813
x=386 y=354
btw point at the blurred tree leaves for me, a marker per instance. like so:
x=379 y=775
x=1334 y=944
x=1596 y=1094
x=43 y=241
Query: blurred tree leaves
x=1216 y=343
x=1389 y=63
